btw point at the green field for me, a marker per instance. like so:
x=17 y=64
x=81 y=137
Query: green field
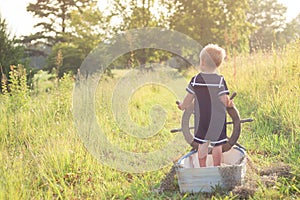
x=43 y=157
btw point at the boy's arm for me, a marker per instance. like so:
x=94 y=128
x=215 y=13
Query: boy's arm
x=186 y=102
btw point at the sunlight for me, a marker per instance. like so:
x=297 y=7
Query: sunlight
x=20 y=22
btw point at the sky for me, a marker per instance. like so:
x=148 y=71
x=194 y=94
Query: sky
x=20 y=22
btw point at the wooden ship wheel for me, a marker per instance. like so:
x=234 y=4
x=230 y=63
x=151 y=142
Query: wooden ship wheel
x=232 y=140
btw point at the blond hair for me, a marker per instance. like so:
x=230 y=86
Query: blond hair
x=212 y=55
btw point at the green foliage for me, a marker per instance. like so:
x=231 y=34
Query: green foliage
x=16 y=91
x=139 y=14
x=16 y=100
x=11 y=52
x=292 y=31
x=269 y=19
x=71 y=59
x=268 y=88
x=42 y=157
x=222 y=22
x=86 y=32
x=76 y=27
x=54 y=19
x=89 y=28
x=43 y=81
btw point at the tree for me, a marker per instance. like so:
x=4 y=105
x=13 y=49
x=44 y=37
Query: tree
x=134 y=14
x=291 y=32
x=87 y=30
x=269 y=19
x=11 y=52
x=54 y=18
x=213 y=21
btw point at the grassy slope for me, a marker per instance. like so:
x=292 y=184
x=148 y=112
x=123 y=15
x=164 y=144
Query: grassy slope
x=42 y=156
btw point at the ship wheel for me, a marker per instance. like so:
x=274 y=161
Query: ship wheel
x=232 y=140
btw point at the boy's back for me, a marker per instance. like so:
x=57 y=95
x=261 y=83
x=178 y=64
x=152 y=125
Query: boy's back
x=210 y=112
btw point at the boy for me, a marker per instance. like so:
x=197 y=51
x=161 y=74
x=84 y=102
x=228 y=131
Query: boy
x=211 y=99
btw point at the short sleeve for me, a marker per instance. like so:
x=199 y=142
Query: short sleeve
x=190 y=88
x=223 y=89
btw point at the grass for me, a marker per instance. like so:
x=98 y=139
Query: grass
x=43 y=157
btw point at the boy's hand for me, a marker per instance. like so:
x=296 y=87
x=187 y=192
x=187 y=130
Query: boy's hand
x=230 y=103
x=188 y=99
x=179 y=105
x=227 y=101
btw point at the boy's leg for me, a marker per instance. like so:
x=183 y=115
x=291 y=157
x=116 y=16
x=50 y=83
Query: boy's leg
x=202 y=154
x=217 y=155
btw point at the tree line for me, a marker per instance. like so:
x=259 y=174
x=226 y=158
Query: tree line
x=68 y=30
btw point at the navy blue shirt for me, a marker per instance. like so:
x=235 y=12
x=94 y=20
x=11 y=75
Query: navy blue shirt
x=210 y=112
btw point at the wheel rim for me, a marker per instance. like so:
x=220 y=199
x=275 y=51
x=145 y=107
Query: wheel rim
x=188 y=136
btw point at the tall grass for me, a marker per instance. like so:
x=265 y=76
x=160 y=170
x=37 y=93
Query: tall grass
x=268 y=88
x=42 y=157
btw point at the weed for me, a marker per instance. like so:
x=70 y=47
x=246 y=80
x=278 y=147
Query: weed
x=42 y=157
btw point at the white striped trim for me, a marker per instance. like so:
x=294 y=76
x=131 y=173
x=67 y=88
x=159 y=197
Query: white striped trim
x=220 y=141
x=200 y=140
x=190 y=90
x=211 y=85
x=220 y=84
x=216 y=142
x=194 y=81
x=223 y=92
